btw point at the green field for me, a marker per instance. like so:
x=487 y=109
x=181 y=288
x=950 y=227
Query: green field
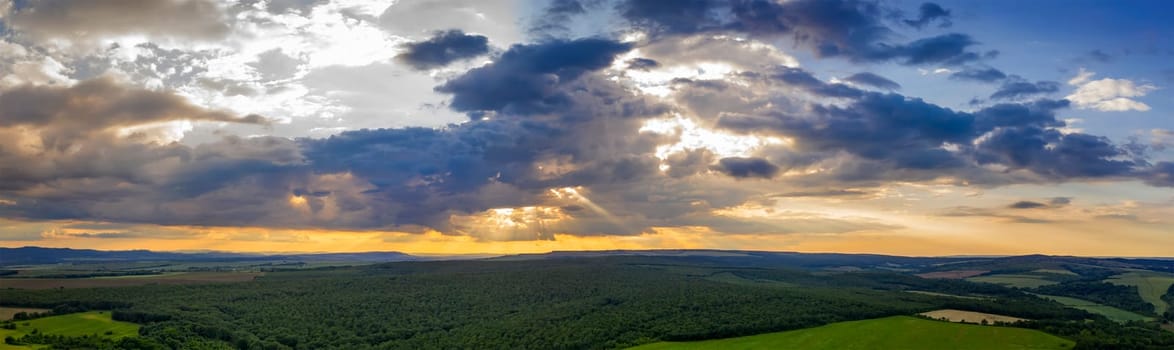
x=898 y=332
x=1014 y=280
x=1056 y=272
x=79 y=324
x=1112 y=313
x=1151 y=286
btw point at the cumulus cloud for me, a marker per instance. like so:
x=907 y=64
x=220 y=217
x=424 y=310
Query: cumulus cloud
x=1108 y=94
x=840 y=28
x=97 y=19
x=525 y=78
x=900 y=137
x=63 y=113
x=444 y=48
x=555 y=134
x=80 y=151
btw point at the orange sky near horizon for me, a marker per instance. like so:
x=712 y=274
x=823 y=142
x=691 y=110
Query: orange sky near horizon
x=993 y=239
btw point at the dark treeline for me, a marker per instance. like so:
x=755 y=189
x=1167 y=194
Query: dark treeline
x=1169 y=299
x=1102 y=334
x=596 y=303
x=1123 y=297
x=89 y=342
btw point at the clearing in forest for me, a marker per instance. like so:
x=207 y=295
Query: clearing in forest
x=1112 y=313
x=73 y=325
x=1150 y=285
x=897 y=332
x=968 y=316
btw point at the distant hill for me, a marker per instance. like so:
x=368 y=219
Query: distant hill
x=38 y=255
x=762 y=258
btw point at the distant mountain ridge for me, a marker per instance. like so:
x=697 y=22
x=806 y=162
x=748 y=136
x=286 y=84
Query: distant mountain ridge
x=831 y=260
x=39 y=255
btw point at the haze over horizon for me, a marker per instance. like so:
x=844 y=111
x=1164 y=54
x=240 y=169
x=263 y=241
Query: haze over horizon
x=527 y=126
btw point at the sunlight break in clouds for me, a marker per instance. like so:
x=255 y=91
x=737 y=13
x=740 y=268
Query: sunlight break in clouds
x=443 y=126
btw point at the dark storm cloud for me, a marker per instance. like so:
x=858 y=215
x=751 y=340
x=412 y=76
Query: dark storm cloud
x=407 y=178
x=1027 y=205
x=929 y=12
x=1019 y=89
x=66 y=152
x=895 y=136
x=876 y=126
x=873 y=80
x=844 y=28
x=950 y=49
x=1055 y=155
x=747 y=167
x=544 y=118
x=526 y=78
x=986 y=75
x=1041 y=113
x=92 y=19
x=444 y=48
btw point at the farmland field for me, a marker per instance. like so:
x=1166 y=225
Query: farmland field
x=1151 y=286
x=1104 y=310
x=6 y=313
x=956 y=274
x=1056 y=272
x=1019 y=281
x=969 y=316
x=79 y=324
x=169 y=278
x=898 y=332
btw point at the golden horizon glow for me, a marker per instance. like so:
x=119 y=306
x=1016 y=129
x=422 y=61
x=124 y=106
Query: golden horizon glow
x=964 y=239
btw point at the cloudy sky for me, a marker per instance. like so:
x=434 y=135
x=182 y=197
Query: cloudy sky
x=508 y=126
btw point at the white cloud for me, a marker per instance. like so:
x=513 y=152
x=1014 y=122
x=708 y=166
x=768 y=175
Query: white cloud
x=1108 y=95
x=935 y=71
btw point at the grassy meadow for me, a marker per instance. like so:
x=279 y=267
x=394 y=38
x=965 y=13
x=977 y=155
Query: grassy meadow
x=1112 y=313
x=1014 y=280
x=78 y=324
x=1151 y=286
x=898 y=332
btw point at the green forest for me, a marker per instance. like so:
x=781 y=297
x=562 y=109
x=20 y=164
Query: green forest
x=587 y=303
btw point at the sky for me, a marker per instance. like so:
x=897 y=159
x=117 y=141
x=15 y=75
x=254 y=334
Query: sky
x=521 y=126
